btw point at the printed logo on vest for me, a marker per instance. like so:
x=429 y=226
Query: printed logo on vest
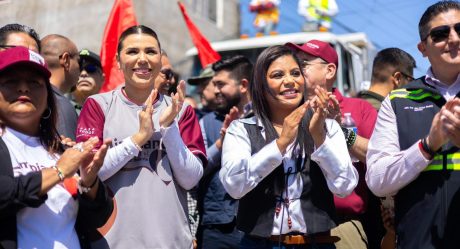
x=418 y=108
x=86 y=131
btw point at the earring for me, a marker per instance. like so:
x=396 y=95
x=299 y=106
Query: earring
x=48 y=115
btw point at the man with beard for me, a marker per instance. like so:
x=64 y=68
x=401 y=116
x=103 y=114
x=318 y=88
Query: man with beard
x=218 y=210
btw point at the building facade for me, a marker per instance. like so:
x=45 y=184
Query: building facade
x=83 y=21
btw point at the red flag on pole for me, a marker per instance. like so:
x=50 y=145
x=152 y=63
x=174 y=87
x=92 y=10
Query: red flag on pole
x=206 y=54
x=121 y=17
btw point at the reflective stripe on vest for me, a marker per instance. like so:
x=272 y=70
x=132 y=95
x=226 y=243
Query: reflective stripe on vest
x=453 y=162
x=418 y=94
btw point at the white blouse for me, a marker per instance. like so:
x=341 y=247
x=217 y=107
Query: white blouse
x=241 y=171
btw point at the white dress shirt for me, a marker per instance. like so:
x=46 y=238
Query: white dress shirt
x=389 y=168
x=241 y=172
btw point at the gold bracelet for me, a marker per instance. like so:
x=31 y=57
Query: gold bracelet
x=59 y=173
x=135 y=144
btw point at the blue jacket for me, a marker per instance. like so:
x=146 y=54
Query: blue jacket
x=216 y=205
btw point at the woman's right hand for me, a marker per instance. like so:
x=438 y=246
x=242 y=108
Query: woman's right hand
x=291 y=127
x=145 y=121
x=73 y=157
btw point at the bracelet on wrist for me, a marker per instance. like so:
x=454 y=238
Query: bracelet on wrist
x=350 y=136
x=59 y=173
x=426 y=148
x=351 y=139
x=139 y=148
x=83 y=189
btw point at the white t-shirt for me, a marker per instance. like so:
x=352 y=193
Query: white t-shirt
x=51 y=225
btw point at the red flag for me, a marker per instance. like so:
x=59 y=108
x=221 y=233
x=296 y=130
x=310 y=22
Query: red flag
x=121 y=17
x=206 y=54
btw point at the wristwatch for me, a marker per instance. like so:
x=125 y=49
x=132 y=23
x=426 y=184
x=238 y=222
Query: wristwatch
x=82 y=189
x=350 y=136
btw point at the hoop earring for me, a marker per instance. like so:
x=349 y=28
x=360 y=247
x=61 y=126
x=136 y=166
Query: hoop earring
x=48 y=115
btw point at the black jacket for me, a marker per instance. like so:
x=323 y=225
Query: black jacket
x=427 y=210
x=19 y=192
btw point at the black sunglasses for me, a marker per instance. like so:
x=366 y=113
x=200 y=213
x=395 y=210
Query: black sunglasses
x=442 y=32
x=89 y=68
x=168 y=73
x=408 y=77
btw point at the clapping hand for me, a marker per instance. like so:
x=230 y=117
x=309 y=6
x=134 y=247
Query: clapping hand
x=75 y=156
x=450 y=119
x=90 y=168
x=67 y=141
x=291 y=126
x=320 y=112
x=334 y=108
x=168 y=115
x=146 y=128
x=232 y=115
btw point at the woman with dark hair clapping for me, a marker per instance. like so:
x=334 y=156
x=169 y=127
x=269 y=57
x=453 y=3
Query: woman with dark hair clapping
x=43 y=202
x=158 y=150
x=285 y=163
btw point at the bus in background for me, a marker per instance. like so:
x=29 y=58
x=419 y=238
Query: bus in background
x=355 y=52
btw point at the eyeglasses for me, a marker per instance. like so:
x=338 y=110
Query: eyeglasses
x=442 y=32
x=310 y=63
x=7 y=46
x=168 y=73
x=408 y=77
x=307 y=64
x=89 y=68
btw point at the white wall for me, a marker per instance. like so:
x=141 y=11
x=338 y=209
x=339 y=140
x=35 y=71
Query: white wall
x=83 y=21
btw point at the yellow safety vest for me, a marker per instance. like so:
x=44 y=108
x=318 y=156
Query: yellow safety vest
x=318 y=4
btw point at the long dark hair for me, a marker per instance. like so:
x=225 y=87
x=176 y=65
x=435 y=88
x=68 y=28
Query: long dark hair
x=48 y=134
x=138 y=29
x=260 y=105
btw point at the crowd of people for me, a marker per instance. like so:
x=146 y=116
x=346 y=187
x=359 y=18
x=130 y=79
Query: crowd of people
x=266 y=159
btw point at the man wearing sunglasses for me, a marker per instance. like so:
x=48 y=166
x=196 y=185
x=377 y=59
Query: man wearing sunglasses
x=90 y=80
x=62 y=57
x=165 y=79
x=413 y=152
x=392 y=69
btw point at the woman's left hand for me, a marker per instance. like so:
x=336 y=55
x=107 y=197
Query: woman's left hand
x=334 y=108
x=320 y=112
x=168 y=115
x=89 y=170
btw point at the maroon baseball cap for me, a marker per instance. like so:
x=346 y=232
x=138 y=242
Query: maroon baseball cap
x=22 y=56
x=319 y=49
